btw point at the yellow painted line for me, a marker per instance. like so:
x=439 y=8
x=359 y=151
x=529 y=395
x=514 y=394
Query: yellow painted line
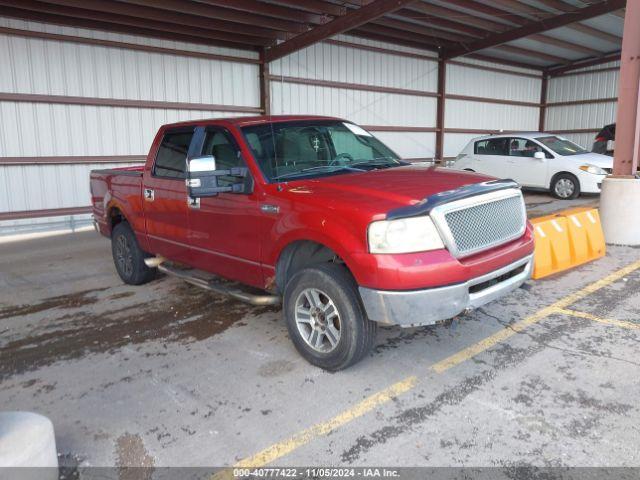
x=490 y=341
x=517 y=327
x=594 y=318
x=303 y=437
x=280 y=449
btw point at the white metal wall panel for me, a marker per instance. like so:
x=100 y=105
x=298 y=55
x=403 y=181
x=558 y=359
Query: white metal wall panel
x=352 y=65
x=585 y=140
x=338 y=63
x=42 y=129
x=410 y=144
x=462 y=114
x=571 y=117
x=455 y=142
x=32 y=65
x=595 y=85
x=491 y=116
x=363 y=107
x=51 y=67
x=462 y=80
x=39 y=187
x=584 y=87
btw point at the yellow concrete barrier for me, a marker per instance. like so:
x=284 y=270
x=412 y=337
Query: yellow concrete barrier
x=566 y=239
x=585 y=234
x=552 y=252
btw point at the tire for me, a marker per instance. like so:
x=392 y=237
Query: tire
x=336 y=292
x=565 y=186
x=128 y=257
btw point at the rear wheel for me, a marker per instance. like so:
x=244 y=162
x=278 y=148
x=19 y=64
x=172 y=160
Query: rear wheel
x=325 y=317
x=565 y=186
x=128 y=257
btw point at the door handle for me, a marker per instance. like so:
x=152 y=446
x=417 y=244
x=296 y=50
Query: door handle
x=267 y=208
x=148 y=194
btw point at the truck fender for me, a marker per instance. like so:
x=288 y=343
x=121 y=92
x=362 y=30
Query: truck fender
x=342 y=249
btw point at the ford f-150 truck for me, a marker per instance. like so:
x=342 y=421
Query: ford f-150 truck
x=319 y=215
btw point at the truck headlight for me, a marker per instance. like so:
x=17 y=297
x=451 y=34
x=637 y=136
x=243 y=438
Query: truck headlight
x=593 y=169
x=405 y=235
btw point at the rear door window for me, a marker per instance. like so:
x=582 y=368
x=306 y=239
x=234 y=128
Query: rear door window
x=492 y=146
x=171 y=160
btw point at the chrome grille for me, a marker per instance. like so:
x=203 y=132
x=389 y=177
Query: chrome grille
x=482 y=223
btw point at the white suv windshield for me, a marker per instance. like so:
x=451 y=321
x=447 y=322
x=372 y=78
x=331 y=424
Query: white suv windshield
x=561 y=146
x=316 y=148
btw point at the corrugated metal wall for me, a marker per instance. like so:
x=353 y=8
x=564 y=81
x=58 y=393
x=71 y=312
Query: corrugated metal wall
x=50 y=67
x=582 y=86
x=338 y=63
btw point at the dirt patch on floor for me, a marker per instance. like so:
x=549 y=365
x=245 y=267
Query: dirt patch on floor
x=186 y=314
x=132 y=458
x=73 y=300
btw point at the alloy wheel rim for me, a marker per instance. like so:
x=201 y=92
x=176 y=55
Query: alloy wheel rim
x=564 y=188
x=124 y=256
x=318 y=320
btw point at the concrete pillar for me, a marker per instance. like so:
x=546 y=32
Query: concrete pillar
x=620 y=201
x=27 y=447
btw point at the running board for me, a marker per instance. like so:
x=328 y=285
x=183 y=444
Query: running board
x=212 y=286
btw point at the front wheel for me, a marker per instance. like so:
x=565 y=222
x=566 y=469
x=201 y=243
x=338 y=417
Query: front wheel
x=325 y=317
x=565 y=186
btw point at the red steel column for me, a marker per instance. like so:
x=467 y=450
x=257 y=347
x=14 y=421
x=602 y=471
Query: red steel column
x=626 y=150
x=442 y=81
x=265 y=88
x=543 y=101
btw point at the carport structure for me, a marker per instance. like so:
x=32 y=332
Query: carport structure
x=517 y=46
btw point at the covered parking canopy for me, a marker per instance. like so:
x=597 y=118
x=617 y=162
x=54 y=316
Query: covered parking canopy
x=488 y=62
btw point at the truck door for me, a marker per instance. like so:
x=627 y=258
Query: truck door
x=225 y=230
x=165 y=196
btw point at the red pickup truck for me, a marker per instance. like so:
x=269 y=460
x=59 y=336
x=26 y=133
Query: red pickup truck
x=319 y=215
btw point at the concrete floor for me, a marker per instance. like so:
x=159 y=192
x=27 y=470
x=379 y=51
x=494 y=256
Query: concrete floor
x=168 y=375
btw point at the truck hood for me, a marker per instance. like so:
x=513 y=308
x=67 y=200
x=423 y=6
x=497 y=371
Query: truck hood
x=378 y=191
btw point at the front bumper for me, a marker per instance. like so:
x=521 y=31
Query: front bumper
x=590 y=183
x=425 y=307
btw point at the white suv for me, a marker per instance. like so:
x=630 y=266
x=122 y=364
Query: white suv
x=537 y=160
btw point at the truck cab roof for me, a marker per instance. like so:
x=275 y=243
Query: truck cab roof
x=252 y=120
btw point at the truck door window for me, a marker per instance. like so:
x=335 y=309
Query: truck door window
x=171 y=160
x=218 y=144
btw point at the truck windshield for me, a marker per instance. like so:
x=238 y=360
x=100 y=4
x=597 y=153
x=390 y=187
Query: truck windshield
x=287 y=150
x=561 y=146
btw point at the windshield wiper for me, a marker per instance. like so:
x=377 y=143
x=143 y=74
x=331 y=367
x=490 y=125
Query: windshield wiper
x=329 y=168
x=383 y=162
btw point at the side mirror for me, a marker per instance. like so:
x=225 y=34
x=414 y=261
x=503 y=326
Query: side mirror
x=202 y=178
x=539 y=156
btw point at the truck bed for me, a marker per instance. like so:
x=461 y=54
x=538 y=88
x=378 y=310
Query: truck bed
x=115 y=186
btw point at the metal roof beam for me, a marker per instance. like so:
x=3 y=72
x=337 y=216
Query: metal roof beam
x=558 y=21
x=353 y=19
x=70 y=21
x=315 y=6
x=261 y=8
x=520 y=21
x=558 y=70
x=185 y=14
